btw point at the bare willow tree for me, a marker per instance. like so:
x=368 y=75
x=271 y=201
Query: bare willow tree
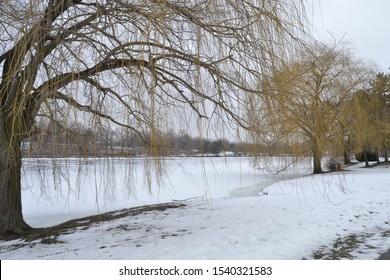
x=306 y=97
x=131 y=63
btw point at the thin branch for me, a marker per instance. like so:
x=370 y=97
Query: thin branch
x=85 y=108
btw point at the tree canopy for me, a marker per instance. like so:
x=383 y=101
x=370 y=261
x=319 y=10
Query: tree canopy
x=136 y=64
x=306 y=97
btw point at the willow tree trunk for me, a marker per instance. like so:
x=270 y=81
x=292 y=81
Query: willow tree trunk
x=317 y=155
x=11 y=216
x=347 y=160
x=365 y=157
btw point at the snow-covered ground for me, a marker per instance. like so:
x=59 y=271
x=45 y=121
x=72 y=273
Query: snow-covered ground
x=232 y=211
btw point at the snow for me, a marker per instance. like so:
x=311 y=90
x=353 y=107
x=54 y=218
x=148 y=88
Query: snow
x=233 y=211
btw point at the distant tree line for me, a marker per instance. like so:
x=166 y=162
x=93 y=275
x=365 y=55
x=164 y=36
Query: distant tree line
x=80 y=141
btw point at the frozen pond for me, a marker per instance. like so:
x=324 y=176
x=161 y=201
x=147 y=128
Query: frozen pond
x=71 y=188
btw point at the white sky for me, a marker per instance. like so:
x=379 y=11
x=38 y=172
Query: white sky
x=365 y=24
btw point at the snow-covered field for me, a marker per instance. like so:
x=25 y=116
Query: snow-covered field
x=232 y=211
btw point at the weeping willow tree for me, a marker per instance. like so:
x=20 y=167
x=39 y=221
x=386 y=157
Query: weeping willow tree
x=366 y=137
x=380 y=88
x=370 y=119
x=305 y=100
x=135 y=64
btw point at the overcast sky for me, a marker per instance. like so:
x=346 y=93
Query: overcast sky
x=365 y=24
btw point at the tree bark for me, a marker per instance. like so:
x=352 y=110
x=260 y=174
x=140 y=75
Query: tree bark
x=11 y=216
x=317 y=169
x=377 y=156
x=365 y=156
x=347 y=160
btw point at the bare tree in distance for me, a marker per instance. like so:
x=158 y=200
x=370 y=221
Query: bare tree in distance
x=306 y=100
x=133 y=63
